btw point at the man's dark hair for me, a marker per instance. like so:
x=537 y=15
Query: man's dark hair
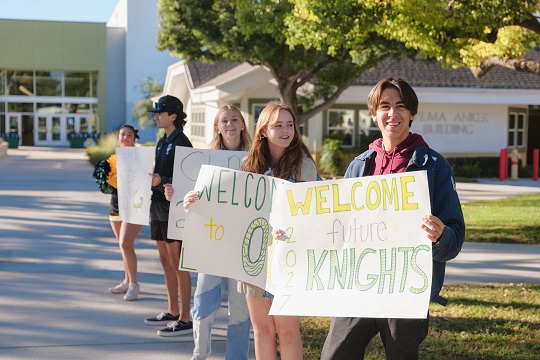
x=405 y=91
x=180 y=120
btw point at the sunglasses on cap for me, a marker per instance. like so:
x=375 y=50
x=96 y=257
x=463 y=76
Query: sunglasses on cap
x=165 y=107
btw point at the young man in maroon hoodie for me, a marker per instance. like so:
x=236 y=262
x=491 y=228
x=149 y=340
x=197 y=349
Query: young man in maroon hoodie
x=392 y=105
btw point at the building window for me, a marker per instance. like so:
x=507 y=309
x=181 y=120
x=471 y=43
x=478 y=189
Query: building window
x=257 y=109
x=20 y=83
x=20 y=107
x=48 y=83
x=2 y=82
x=367 y=130
x=341 y=126
x=76 y=108
x=77 y=84
x=47 y=108
x=516 y=129
x=197 y=122
x=93 y=85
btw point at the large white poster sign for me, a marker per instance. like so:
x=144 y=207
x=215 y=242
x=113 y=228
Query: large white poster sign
x=187 y=163
x=353 y=248
x=227 y=229
x=133 y=165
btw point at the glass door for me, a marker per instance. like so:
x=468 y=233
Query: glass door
x=56 y=129
x=51 y=130
x=41 y=133
x=14 y=124
x=79 y=124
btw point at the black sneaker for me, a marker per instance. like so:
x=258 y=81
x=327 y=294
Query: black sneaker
x=176 y=328
x=161 y=319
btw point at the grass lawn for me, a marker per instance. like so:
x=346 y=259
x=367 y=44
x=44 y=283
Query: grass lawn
x=495 y=321
x=513 y=220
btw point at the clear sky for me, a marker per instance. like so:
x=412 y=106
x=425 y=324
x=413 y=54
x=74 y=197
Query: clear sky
x=58 y=10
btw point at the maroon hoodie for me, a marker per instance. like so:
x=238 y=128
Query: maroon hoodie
x=395 y=160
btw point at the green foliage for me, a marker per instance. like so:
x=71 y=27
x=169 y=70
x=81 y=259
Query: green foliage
x=525 y=171
x=456 y=33
x=257 y=32
x=469 y=170
x=159 y=134
x=464 y=33
x=484 y=167
x=149 y=88
x=332 y=157
x=104 y=148
x=475 y=167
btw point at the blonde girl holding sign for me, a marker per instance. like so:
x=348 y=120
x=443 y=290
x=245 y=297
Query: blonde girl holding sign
x=230 y=133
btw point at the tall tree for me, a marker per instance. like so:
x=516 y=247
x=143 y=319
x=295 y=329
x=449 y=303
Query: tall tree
x=309 y=78
x=475 y=33
x=149 y=88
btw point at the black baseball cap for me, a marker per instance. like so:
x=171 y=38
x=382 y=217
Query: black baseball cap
x=167 y=103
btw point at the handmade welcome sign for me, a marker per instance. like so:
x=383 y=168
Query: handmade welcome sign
x=353 y=248
x=227 y=230
x=133 y=165
x=187 y=163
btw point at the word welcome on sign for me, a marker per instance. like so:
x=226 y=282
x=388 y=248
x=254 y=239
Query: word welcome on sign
x=352 y=247
x=187 y=163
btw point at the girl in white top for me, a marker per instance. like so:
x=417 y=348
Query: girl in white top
x=230 y=133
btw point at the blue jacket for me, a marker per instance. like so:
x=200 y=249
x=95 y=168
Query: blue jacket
x=444 y=204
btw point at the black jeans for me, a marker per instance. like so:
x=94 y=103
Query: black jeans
x=349 y=337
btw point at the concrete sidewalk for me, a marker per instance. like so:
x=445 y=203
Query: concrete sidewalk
x=58 y=256
x=490 y=189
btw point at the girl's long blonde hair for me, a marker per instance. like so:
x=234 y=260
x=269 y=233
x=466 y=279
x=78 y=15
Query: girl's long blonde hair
x=217 y=141
x=258 y=158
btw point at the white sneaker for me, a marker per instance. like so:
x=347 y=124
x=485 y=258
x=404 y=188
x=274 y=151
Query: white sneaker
x=132 y=293
x=121 y=288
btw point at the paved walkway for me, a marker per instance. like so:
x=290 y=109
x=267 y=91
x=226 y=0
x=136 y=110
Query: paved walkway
x=58 y=256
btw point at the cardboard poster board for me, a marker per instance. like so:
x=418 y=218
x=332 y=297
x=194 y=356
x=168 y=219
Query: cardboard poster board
x=227 y=230
x=353 y=248
x=187 y=163
x=133 y=165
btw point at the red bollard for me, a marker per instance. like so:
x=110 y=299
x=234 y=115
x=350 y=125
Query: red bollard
x=503 y=164
x=535 y=165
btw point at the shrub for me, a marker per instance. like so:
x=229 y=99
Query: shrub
x=332 y=157
x=487 y=167
x=525 y=171
x=471 y=170
x=105 y=147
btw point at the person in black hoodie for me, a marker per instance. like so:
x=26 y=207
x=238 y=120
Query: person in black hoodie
x=392 y=105
x=169 y=116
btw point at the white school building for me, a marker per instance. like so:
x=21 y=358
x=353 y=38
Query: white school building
x=458 y=114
